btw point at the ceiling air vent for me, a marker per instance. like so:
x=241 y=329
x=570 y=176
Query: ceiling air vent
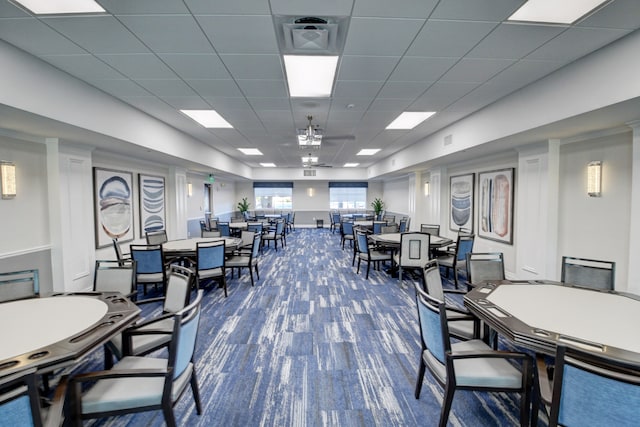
x=309 y=172
x=311 y=35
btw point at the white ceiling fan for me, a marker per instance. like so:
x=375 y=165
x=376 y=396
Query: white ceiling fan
x=312 y=162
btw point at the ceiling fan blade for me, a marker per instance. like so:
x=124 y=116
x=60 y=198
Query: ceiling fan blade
x=339 y=138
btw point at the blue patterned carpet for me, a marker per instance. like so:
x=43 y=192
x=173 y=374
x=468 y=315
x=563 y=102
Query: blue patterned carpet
x=315 y=344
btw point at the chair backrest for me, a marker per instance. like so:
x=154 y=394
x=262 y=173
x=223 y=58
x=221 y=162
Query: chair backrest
x=593 y=390
x=223 y=228
x=361 y=241
x=432 y=280
x=482 y=266
x=464 y=245
x=210 y=255
x=19 y=400
x=22 y=284
x=385 y=229
x=183 y=341
x=377 y=226
x=115 y=276
x=433 y=326
x=213 y=223
x=203 y=226
x=149 y=258
x=256 y=227
x=247 y=237
x=118 y=250
x=179 y=284
x=157 y=237
x=335 y=217
x=589 y=273
x=389 y=219
x=414 y=249
x=404 y=225
x=433 y=229
x=279 y=227
x=347 y=227
x=210 y=233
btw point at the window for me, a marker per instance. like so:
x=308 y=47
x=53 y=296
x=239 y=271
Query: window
x=347 y=195
x=273 y=195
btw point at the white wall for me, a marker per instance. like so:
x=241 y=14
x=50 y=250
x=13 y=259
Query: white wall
x=596 y=227
x=396 y=195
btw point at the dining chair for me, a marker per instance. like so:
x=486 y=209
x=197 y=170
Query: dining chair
x=203 y=226
x=291 y=221
x=458 y=260
x=120 y=256
x=403 y=227
x=588 y=273
x=256 y=227
x=20 y=403
x=346 y=232
x=389 y=219
x=433 y=229
x=22 y=284
x=467 y=365
x=413 y=253
x=115 y=276
x=377 y=226
x=274 y=234
x=368 y=253
x=243 y=259
x=150 y=266
x=483 y=266
x=386 y=229
x=144 y=383
x=157 y=237
x=149 y=335
x=224 y=229
x=589 y=389
x=334 y=217
x=213 y=223
x=462 y=324
x=210 y=263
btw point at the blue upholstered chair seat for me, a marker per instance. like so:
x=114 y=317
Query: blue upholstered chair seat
x=141 y=344
x=123 y=393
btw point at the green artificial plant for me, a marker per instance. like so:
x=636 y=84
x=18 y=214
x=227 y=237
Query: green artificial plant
x=377 y=205
x=243 y=206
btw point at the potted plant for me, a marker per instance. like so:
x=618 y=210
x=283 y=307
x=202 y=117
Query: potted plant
x=378 y=207
x=243 y=206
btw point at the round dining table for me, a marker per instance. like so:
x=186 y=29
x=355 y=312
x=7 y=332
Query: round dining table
x=393 y=240
x=187 y=247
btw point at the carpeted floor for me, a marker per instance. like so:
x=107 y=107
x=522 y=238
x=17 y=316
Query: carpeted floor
x=315 y=344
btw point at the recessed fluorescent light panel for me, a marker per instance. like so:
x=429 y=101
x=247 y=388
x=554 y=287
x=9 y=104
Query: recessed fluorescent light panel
x=250 y=151
x=310 y=76
x=553 y=11
x=309 y=159
x=351 y=165
x=44 y=7
x=409 y=120
x=368 y=151
x=207 y=118
x=268 y=165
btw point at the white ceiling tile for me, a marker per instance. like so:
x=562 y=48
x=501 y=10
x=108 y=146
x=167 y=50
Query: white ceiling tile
x=227 y=104
x=166 y=87
x=215 y=87
x=89 y=32
x=311 y=7
x=34 y=37
x=356 y=89
x=441 y=95
x=366 y=67
x=169 y=33
x=514 y=41
x=396 y=105
x=9 y=10
x=240 y=34
x=263 y=88
x=121 y=88
x=476 y=10
x=228 y=7
x=351 y=103
x=372 y=36
x=270 y=103
x=576 y=42
x=138 y=7
x=622 y=14
x=475 y=70
x=481 y=97
x=420 y=69
x=268 y=67
x=403 y=90
x=140 y=66
x=450 y=39
x=196 y=66
x=186 y=102
x=84 y=66
x=526 y=71
x=394 y=9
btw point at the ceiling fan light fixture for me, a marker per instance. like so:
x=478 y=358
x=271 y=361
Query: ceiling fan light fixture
x=310 y=137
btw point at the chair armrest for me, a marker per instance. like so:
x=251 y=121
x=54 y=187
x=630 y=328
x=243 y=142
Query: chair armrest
x=131 y=329
x=460 y=311
x=150 y=300
x=492 y=354
x=455 y=291
x=115 y=373
x=544 y=381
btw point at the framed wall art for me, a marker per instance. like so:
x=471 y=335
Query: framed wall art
x=495 y=217
x=461 y=202
x=113 y=206
x=152 y=200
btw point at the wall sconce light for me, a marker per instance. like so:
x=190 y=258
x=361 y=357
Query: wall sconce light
x=310 y=191
x=189 y=189
x=427 y=190
x=594 y=179
x=8 y=177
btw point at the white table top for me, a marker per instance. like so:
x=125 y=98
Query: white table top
x=30 y=324
x=394 y=238
x=189 y=245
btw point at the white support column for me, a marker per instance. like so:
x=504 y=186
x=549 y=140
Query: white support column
x=55 y=213
x=176 y=193
x=434 y=200
x=633 y=275
x=414 y=187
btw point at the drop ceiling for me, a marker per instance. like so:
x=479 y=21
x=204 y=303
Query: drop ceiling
x=449 y=56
